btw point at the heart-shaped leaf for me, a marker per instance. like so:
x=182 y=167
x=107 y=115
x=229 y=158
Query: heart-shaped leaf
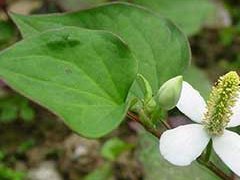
x=82 y=75
x=159 y=46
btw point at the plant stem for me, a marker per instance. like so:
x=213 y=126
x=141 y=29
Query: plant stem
x=166 y=125
x=211 y=166
x=134 y=117
x=203 y=161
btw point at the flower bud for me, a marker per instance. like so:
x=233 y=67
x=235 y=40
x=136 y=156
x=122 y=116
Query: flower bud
x=169 y=93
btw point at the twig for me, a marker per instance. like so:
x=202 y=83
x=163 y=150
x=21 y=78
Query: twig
x=134 y=117
x=166 y=125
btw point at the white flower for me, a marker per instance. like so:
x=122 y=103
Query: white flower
x=184 y=144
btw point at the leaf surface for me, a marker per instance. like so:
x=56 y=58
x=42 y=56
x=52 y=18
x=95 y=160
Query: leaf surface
x=159 y=46
x=82 y=75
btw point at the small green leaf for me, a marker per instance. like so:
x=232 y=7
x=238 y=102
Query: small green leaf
x=8 y=113
x=26 y=112
x=14 y=106
x=104 y=172
x=160 y=47
x=113 y=148
x=9 y=174
x=25 y=146
x=82 y=75
x=145 y=86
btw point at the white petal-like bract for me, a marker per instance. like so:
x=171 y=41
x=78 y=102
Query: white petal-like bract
x=182 y=145
x=235 y=118
x=191 y=103
x=227 y=148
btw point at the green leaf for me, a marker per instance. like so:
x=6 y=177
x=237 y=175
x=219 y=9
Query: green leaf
x=190 y=15
x=25 y=146
x=159 y=46
x=26 y=112
x=104 y=172
x=113 y=148
x=14 y=106
x=145 y=87
x=156 y=167
x=9 y=174
x=82 y=75
x=8 y=113
x=198 y=80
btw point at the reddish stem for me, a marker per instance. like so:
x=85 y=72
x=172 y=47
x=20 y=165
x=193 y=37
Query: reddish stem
x=134 y=117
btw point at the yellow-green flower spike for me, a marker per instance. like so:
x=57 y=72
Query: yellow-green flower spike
x=222 y=98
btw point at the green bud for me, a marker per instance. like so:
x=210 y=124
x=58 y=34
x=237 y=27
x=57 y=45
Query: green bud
x=169 y=93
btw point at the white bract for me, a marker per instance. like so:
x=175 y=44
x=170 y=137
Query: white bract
x=184 y=144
